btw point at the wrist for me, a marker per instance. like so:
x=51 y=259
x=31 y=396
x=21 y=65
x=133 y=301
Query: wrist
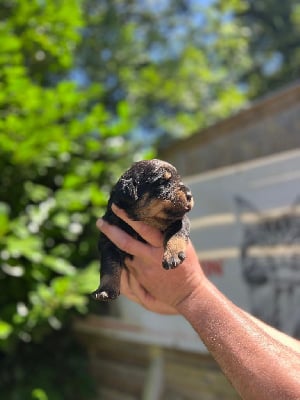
x=196 y=297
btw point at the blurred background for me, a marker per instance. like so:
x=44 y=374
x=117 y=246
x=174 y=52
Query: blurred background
x=86 y=88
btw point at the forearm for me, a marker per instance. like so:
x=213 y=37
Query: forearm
x=253 y=361
x=281 y=337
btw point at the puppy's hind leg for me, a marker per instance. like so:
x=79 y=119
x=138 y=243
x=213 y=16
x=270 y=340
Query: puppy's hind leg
x=110 y=274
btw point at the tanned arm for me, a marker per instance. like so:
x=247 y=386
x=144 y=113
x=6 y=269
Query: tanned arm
x=260 y=362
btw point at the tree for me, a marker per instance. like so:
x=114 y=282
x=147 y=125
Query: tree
x=182 y=65
x=172 y=62
x=273 y=30
x=60 y=149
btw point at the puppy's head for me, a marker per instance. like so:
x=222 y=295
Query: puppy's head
x=152 y=191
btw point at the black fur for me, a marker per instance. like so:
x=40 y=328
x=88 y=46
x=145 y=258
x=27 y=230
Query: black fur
x=150 y=191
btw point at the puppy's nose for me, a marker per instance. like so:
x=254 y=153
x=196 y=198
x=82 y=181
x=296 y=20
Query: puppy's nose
x=187 y=192
x=188 y=196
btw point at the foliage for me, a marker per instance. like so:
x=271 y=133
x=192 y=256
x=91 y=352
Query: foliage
x=60 y=149
x=171 y=61
x=182 y=65
x=273 y=30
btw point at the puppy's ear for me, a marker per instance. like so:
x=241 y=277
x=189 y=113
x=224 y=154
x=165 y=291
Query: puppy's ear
x=129 y=189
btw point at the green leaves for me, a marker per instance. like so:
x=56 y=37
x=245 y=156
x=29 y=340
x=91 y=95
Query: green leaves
x=39 y=394
x=4 y=218
x=48 y=30
x=58 y=150
x=173 y=68
x=274 y=61
x=59 y=143
x=5 y=330
x=59 y=265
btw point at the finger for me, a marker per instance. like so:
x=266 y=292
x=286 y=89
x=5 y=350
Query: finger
x=147 y=264
x=125 y=287
x=122 y=239
x=144 y=297
x=150 y=234
x=136 y=292
x=131 y=288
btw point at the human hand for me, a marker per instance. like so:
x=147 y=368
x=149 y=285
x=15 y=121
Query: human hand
x=145 y=281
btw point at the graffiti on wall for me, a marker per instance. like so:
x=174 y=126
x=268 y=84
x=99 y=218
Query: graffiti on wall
x=270 y=263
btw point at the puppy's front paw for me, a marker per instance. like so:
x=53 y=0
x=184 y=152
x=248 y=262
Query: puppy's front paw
x=105 y=294
x=171 y=260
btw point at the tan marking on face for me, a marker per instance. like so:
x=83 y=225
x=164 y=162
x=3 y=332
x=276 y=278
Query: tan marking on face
x=167 y=175
x=153 y=211
x=182 y=201
x=158 y=207
x=181 y=197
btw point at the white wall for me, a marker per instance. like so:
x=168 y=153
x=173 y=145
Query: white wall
x=264 y=223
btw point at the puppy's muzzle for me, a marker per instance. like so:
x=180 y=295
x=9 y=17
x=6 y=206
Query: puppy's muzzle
x=189 y=197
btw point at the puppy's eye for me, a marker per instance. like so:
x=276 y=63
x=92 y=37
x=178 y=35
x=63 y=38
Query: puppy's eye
x=163 y=180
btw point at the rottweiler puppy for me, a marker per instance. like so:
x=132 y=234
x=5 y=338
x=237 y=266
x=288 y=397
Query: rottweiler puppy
x=150 y=191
